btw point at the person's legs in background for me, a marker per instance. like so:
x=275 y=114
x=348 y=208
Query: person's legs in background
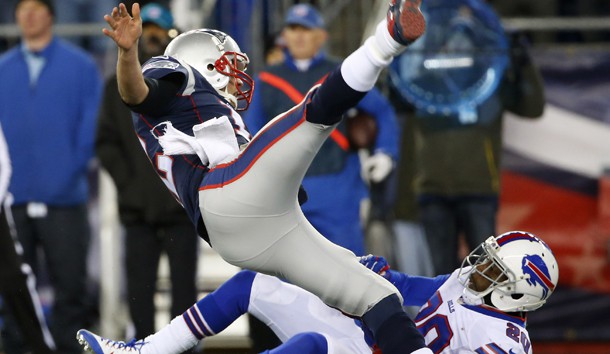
x=143 y=247
x=478 y=219
x=142 y=252
x=441 y=229
x=412 y=252
x=18 y=291
x=12 y=339
x=65 y=237
x=181 y=244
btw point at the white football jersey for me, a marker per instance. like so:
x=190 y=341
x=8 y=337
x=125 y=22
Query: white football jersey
x=451 y=326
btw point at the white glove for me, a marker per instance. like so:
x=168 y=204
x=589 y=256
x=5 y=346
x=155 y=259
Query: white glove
x=377 y=167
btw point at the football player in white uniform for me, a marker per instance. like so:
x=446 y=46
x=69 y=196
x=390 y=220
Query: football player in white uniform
x=241 y=191
x=479 y=308
x=482 y=306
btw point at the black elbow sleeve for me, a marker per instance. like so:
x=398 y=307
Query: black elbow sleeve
x=160 y=94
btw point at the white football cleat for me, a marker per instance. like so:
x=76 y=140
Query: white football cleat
x=93 y=343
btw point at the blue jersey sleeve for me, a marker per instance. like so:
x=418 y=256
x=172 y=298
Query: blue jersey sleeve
x=416 y=290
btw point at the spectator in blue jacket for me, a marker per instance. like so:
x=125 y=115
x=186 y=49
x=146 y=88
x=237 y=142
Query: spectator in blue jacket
x=49 y=98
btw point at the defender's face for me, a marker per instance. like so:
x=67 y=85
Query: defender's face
x=34 y=19
x=487 y=272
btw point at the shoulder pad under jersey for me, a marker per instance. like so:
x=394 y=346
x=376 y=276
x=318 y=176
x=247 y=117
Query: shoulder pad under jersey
x=160 y=66
x=157 y=67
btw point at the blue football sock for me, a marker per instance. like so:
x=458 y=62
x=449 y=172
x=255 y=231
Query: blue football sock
x=219 y=309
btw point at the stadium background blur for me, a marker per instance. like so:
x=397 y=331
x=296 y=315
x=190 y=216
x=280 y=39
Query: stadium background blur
x=556 y=171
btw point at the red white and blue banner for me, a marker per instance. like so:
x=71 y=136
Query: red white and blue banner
x=556 y=184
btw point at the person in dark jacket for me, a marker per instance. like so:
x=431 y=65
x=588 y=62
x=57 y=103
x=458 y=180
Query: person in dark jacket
x=154 y=221
x=456 y=139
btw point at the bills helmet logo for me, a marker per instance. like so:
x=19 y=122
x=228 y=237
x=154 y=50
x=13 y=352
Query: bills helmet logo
x=534 y=266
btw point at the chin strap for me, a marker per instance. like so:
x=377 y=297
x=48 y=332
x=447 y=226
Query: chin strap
x=229 y=97
x=471 y=299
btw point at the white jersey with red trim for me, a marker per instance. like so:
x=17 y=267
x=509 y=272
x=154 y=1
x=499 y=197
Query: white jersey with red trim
x=451 y=326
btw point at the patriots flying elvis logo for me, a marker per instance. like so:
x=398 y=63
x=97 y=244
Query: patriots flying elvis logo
x=534 y=266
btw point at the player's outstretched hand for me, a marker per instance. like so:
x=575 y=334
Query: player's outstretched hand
x=124 y=29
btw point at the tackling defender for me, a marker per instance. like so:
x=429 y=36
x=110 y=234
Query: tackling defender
x=241 y=192
x=479 y=308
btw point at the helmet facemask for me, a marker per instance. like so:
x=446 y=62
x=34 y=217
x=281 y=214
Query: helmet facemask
x=234 y=65
x=481 y=261
x=519 y=268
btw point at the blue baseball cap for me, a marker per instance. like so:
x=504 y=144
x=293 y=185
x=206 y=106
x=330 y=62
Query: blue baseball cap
x=304 y=15
x=157 y=14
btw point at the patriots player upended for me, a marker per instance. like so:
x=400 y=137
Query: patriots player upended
x=241 y=191
x=480 y=308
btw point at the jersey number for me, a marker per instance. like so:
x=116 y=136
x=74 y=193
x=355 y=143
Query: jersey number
x=163 y=164
x=438 y=322
x=513 y=332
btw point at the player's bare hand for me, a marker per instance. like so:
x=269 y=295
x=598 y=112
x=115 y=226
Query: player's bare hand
x=124 y=29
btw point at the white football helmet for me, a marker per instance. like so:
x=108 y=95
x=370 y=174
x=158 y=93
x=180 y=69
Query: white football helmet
x=528 y=271
x=217 y=57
